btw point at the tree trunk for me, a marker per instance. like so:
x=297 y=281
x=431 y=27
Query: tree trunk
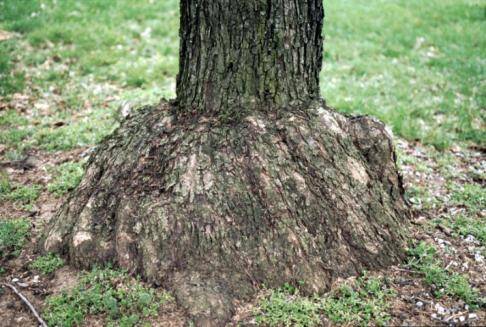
x=247 y=179
x=237 y=56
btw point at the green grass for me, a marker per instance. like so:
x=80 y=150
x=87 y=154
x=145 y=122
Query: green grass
x=285 y=307
x=465 y=226
x=108 y=293
x=471 y=196
x=13 y=235
x=47 y=264
x=10 y=81
x=424 y=258
x=418 y=66
x=362 y=302
x=420 y=197
x=23 y=194
x=67 y=177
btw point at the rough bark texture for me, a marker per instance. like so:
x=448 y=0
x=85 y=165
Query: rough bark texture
x=238 y=56
x=212 y=211
x=289 y=191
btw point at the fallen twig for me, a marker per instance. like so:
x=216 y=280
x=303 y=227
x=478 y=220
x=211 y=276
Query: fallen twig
x=455 y=316
x=408 y=271
x=31 y=307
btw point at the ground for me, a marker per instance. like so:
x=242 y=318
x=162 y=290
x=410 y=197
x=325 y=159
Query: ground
x=70 y=71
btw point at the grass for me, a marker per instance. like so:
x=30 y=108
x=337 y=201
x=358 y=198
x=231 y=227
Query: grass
x=362 y=302
x=47 y=264
x=107 y=293
x=10 y=80
x=419 y=67
x=424 y=259
x=18 y=193
x=471 y=196
x=285 y=307
x=67 y=177
x=464 y=226
x=416 y=65
x=13 y=235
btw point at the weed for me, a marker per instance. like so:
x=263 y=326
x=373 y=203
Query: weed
x=5 y=186
x=360 y=303
x=421 y=197
x=47 y=264
x=13 y=234
x=68 y=176
x=472 y=196
x=286 y=307
x=464 y=225
x=111 y=293
x=23 y=194
x=424 y=259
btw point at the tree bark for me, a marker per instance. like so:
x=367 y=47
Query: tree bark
x=238 y=56
x=248 y=178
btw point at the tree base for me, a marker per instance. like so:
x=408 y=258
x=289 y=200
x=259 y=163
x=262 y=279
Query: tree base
x=212 y=211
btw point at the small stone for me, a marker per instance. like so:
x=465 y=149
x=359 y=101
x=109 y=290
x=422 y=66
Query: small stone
x=419 y=304
x=478 y=257
x=462 y=318
x=440 y=309
x=15 y=280
x=470 y=239
x=472 y=316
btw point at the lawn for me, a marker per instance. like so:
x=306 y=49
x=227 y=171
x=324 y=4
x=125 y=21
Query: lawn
x=418 y=66
x=69 y=68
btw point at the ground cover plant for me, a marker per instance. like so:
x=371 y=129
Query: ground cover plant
x=360 y=302
x=70 y=71
x=46 y=264
x=423 y=258
x=105 y=292
x=67 y=177
x=13 y=234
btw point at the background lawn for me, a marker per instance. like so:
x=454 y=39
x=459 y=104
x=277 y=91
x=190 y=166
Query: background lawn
x=417 y=65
